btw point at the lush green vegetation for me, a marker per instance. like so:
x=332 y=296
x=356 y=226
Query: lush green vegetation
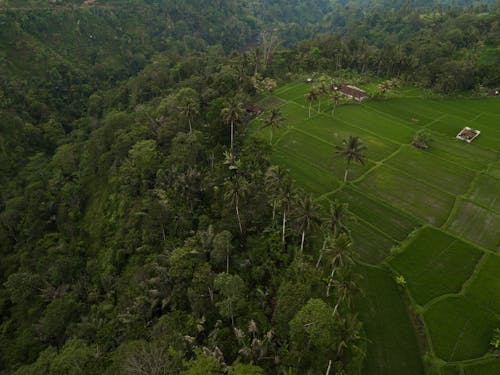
x=149 y=225
x=399 y=189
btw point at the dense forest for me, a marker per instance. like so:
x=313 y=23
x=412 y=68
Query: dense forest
x=141 y=229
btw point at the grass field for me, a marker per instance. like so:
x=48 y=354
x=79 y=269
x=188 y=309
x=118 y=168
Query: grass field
x=435 y=263
x=447 y=197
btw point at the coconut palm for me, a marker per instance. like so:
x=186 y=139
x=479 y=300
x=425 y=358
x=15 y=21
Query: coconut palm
x=351 y=150
x=189 y=110
x=232 y=113
x=340 y=256
x=335 y=222
x=306 y=216
x=335 y=98
x=273 y=120
x=236 y=190
x=286 y=197
x=275 y=178
x=311 y=97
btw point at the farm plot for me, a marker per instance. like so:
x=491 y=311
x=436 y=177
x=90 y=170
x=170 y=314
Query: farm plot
x=467 y=155
x=335 y=131
x=485 y=287
x=370 y=244
x=494 y=170
x=477 y=224
x=435 y=263
x=441 y=173
x=389 y=220
x=399 y=189
x=459 y=328
x=364 y=118
x=306 y=174
x=414 y=112
x=291 y=91
x=393 y=347
x=488 y=367
x=486 y=192
x=317 y=151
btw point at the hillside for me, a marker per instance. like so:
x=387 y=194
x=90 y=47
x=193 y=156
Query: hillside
x=153 y=220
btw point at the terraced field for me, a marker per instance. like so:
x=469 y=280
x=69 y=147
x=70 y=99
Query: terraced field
x=432 y=216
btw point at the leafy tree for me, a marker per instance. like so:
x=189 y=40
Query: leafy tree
x=232 y=289
x=422 y=139
x=351 y=150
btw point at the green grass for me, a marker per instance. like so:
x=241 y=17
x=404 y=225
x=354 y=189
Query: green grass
x=389 y=220
x=438 y=172
x=486 y=192
x=307 y=175
x=459 y=328
x=489 y=367
x=370 y=244
x=435 y=263
x=453 y=185
x=393 y=347
x=485 y=287
x=418 y=198
x=450 y=370
x=477 y=224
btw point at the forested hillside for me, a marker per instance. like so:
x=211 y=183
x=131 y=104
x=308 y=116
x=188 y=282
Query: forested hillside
x=141 y=228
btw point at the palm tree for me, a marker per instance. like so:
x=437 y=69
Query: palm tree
x=335 y=98
x=236 y=190
x=339 y=251
x=306 y=216
x=286 y=197
x=231 y=114
x=352 y=150
x=275 y=178
x=337 y=215
x=274 y=120
x=311 y=96
x=189 y=110
x=333 y=224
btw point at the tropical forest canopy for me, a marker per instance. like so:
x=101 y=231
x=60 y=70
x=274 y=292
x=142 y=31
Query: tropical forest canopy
x=140 y=228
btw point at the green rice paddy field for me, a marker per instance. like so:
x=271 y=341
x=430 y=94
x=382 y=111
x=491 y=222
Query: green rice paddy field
x=432 y=216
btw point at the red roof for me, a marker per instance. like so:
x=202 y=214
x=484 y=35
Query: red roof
x=353 y=91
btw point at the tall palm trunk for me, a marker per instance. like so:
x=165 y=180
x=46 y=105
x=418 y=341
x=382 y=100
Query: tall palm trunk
x=302 y=241
x=310 y=105
x=238 y=216
x=321 y=253
x=232 y=135
x=330 y=281
x=284 y=225
x=271 y=136
x=190 y=126
x=346 y=171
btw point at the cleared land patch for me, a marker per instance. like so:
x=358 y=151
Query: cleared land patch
x=477 y=224
x=424 y=201
x=435 y=263
x=459 y=328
